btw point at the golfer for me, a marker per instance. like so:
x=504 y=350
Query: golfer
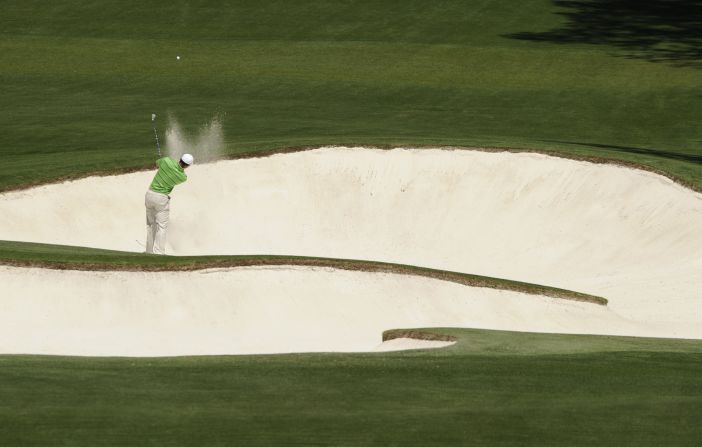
x=170 y=174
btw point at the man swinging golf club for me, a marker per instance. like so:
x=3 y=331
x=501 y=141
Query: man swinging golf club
x=170 y=173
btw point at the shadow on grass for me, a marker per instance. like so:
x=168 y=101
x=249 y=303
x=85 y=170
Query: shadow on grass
x=655 y=30
x=637 y=150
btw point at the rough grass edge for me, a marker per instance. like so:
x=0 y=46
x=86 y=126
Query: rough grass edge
x=339 y=264
x=293 y=149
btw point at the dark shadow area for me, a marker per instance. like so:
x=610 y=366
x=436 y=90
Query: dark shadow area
x=636 y=150
x=656 y=30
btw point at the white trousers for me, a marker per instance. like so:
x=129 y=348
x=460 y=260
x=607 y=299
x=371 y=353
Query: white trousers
x=157 y=210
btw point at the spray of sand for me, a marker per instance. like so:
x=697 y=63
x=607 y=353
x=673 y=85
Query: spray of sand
x=206 y=146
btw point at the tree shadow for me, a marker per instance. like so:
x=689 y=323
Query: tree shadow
x=637 y=150
x=655 y=30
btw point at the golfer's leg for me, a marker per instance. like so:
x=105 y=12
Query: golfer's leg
x=150 y=229
x=161 y=226
x=150 y=222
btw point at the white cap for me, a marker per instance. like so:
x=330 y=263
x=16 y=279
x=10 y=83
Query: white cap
x=187 y=159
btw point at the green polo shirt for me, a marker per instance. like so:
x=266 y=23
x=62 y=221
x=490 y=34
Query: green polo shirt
x=169 y=174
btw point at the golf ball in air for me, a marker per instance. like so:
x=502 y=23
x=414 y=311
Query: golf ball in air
x=178 y=57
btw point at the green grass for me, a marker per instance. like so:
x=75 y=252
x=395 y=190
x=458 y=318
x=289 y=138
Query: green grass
x=79 y=80
x=492 y=388
x=83 y=258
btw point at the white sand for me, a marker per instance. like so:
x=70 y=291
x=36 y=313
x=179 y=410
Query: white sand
x=258 y=310
x=628 y=235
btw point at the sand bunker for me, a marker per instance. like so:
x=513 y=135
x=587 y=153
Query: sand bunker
x=630 y=236
x=258 y=310
x=405 y=344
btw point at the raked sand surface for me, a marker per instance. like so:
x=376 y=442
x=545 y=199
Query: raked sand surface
x=628 y=235
x=258 y=310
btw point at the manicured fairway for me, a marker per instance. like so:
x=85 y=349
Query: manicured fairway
x=80 y=79
x=496 y=388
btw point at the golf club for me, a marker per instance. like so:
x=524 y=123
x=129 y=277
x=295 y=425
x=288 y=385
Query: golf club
x=153 y=122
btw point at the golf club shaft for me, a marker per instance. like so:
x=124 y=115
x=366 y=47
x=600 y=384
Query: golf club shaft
x=158 y=145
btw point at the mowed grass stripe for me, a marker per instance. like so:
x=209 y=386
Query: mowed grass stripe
x=79 y=83
x=490 y=388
